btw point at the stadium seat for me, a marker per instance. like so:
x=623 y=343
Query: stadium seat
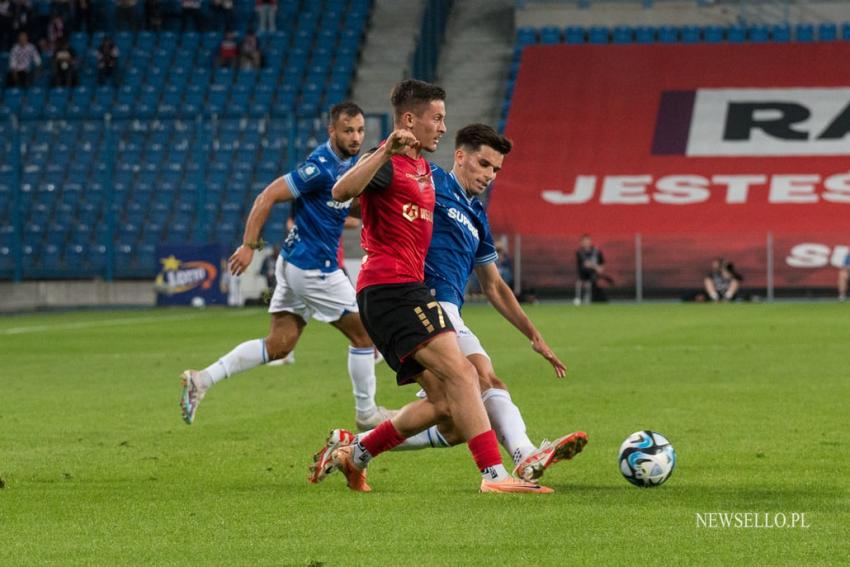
x=598 y=34
x=804 y=32
x=827 y=32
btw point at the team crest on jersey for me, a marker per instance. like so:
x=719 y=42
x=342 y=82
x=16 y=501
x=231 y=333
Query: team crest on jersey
x=422 y=180
x=307 y=171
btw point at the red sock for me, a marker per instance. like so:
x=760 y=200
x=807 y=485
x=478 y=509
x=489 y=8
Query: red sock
x=485 y=450
x=383 y=438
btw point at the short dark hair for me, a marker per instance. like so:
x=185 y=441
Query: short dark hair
x=347 y=107
x=410 y=95
x=473 y=136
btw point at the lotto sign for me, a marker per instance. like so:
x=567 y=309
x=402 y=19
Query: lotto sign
x=714 y=142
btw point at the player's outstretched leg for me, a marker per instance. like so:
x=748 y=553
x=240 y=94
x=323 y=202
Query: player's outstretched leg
x=564 y=448
x=285 y=331
x=192 y=391
x=323 y=464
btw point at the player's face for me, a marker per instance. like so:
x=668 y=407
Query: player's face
x=477 y=170
x=586 y=243
x=347 y=133
x=428 y=126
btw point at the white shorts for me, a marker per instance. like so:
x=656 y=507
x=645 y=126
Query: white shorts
x=466 y=339
x=324 y=296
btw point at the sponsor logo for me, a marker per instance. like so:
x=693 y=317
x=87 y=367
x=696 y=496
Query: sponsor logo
x=816 y=255
x=460 y=217
x=690 y=189
x=754 y=122
x=337 y=205
x=178 y=276
x=412 y=211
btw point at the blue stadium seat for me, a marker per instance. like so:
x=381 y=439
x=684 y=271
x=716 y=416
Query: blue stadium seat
x=758 y=34
x=668 y=34
x=827 y=31
x=804 y=32
x=736 y=34
x=550 y=35
x=691 y=34
x=623 y=34
x=598 y=35
x=780 y=33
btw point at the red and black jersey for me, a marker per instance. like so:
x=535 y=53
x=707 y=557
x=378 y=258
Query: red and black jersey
x=397 y=212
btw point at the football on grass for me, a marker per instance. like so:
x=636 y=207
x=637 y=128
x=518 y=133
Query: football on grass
x=647 y=458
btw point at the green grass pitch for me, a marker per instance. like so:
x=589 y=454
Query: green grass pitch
x=99 y=469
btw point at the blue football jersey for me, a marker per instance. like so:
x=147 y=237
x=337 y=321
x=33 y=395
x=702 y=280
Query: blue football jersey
x=461 y=239
x=313 y=241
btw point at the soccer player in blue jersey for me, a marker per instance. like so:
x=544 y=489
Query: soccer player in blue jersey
x=461 y=243
x=310 y=282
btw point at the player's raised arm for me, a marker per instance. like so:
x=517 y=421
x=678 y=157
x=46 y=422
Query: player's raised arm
x=276 y=192
x=502 y=298
x=358 y=177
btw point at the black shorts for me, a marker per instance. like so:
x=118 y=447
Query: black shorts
x=401 y=318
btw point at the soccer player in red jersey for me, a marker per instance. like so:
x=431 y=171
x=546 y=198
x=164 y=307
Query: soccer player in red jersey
x=407 y=324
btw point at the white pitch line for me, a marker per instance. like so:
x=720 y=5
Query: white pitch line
x=104 y=323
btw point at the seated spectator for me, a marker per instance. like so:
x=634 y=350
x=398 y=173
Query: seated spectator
x=107 y=62
x=590 y=265
x=127 y=19
x=249 y=52
x=722 y=282
x=55 y=32
x=22 y=16
x=223 y=10
x=7 y=18
x=84 y=15
x=190 y=11
x=228 y=51
x=64 y=66
x=23 y=61
x=266 y=15
x=153 y=14
x=843 y=273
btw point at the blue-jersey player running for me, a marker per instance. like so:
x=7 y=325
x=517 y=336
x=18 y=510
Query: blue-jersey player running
x=310 y=282
x=462 y=243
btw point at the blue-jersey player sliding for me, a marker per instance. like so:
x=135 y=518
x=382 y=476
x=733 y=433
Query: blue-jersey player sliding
x=310 y=282
x=462 y=243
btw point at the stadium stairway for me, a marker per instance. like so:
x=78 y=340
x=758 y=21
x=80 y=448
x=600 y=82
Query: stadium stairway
x=474 y=62
x=385 y=58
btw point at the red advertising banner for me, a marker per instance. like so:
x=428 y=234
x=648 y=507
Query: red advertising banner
x=701 y=149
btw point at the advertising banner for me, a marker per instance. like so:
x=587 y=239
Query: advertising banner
x=701 y=149
x=190 y=275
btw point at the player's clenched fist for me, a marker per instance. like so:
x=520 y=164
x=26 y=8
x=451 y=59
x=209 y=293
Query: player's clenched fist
x=240 y=260
x=399 y=141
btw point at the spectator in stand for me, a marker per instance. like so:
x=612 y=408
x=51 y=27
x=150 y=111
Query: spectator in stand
x=223 y=14
x=249 y=52
x=107 y=62
x=22 y=17
x=23 y=61
x=266 y=15
x=64 y=66
x=6 y=19
x=228 y=51
x=843 y=273
x=62 y=8
x=127 y=19
x=84 y=15
x=190 y=10
x=722 y=282
x=590 y=265
x=153 y=14
x=55 y=32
